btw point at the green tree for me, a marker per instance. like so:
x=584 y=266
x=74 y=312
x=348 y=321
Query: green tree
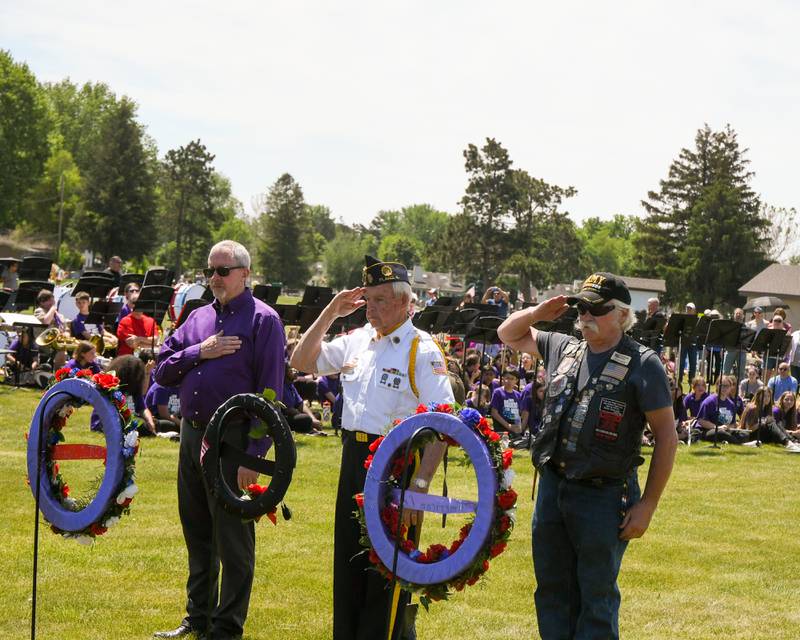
x=344 y=257
x=284 y=243
x=487 y=204
x=322 y=220
x=120 y=190
x=543 y=247
x=78 y=112
x=608 y=245
x=25 y=124
x=703 y=231
x=399 y=248
x=56 y=198
x=188 y=191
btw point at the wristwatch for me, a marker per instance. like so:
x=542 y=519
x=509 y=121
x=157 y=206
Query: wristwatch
x=419 y=483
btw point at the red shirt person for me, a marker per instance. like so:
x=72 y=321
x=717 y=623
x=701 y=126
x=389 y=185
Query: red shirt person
x=135 y=330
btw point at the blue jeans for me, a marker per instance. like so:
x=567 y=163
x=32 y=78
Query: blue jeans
x=577 y=554
x=688 y=352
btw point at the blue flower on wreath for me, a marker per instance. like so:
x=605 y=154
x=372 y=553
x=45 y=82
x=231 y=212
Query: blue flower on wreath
x=127 y=452
x=118 y=396
x=470 y=417
x=415 y=554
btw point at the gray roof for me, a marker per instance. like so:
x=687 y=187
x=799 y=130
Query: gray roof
x=645 y=284
x=444 y=282
x=776 y=279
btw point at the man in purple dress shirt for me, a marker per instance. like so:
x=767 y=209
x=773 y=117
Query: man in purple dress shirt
x=235 y=345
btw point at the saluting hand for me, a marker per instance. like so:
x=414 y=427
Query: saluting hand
x=550 y=309
x=347 y=301
x=219 y=345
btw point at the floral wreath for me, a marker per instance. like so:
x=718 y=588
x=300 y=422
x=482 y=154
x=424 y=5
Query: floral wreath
x=108 y=385
x=502 y=524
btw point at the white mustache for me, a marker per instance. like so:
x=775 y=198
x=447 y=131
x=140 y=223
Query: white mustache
x=590 y=325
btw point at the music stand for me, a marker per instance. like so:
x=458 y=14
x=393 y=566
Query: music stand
x=94 y=273
x=316 y=296
x=484 y=328
x=267 y=293
x=724 y=334
x=102 y=312
x=126 y=278
x=771 y=342
x=95 y=286
x=158 y=276
x=35 y=268
x=289 y=313
x=426 y=319
x=188 y=307
x=27 y=292
x=154 y=301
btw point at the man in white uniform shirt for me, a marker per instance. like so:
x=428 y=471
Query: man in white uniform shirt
x=387 y=367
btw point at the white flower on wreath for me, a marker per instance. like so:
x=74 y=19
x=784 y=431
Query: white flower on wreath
x=111 y=522
x=70 y=503
x=131 y=438
x=508 y=479
x=126 y=493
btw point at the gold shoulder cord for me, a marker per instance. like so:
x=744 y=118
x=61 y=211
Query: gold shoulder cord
x=412 y=365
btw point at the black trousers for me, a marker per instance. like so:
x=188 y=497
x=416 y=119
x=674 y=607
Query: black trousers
x=213 y=536
x=361 y=596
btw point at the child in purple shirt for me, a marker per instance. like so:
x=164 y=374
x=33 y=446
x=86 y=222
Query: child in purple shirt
x=505 y=409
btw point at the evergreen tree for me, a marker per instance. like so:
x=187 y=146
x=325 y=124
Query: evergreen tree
x=703 y=231
x=487 y=205
x=119 y=188
x=284 y=246
x=189 y=215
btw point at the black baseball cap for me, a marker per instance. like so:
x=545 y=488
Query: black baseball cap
x=376 y=272
x=601 y=287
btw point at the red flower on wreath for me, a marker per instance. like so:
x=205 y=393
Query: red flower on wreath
x=493 y=436
x=359 y=497
x=444 y=408
x=255 y=489
x=105 y=380
x=97 y=529
x=368 y=461
x=508 y=458
x=65 y=491
x=60 y=373
x=421 y=408
x=504 y=524
x=507 y=499
x=373 y=446
x=497 y=549
x=84 y=373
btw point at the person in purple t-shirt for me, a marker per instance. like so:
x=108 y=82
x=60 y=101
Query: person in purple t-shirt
x=717 y=415
x=693 y=400
x=165 y=407
x=234 y=345
x=531 y=405
x=505 y=410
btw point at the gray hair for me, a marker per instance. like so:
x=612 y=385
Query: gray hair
x=625 y=314
x=402 y=290
x=236 y=250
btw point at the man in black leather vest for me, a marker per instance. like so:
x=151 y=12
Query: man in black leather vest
x=600 y=393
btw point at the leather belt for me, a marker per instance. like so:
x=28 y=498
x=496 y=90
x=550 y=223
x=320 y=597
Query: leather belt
x=196 y=424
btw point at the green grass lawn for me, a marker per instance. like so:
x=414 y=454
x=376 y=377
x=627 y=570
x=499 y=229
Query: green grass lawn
x=721 y=560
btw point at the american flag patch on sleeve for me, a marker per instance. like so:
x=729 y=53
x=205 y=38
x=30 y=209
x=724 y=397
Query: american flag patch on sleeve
x=438 y=368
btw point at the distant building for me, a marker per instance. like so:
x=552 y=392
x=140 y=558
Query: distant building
x=447 y=284
x=782 y=281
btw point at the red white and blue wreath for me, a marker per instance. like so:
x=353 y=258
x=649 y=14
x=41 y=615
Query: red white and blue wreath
x=501 y=522
x=58 y=491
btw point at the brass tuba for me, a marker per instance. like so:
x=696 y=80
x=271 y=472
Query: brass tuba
x=53 y=338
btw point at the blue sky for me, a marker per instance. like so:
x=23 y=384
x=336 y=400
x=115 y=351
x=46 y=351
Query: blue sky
x=370 y=105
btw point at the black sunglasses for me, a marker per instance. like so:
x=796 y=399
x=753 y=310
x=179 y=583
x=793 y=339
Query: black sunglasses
x=596 y=310
x=223 y=271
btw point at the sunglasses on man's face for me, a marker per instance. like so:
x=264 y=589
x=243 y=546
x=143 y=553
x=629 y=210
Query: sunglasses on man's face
x=596 y=310
x=222 y=271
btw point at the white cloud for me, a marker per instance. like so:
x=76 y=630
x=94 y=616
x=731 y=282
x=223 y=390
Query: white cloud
x=370 y=105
